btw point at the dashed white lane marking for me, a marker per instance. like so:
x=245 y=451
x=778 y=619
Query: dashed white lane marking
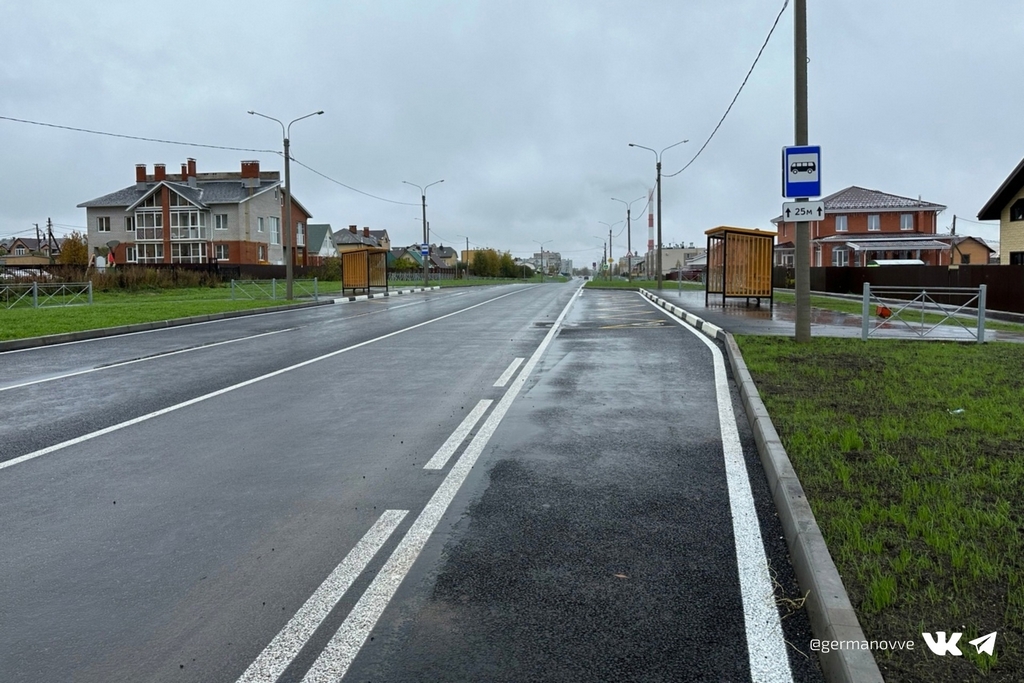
x=766 y=645
x=449 y=447
x=511 y=370
x=278 y=655
x=157 y=356
x=336 y=658
x=233 y=387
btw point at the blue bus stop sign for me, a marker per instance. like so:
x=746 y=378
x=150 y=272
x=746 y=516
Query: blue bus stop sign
x=424 y=249
x=801 y=172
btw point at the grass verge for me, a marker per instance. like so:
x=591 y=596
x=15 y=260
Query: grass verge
x=910 y=454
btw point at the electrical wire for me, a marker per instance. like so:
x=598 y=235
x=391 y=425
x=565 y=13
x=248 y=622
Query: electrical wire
x=736 y=97
x=349 y=187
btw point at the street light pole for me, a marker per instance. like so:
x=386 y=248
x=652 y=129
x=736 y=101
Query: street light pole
x=426 y=236
x=657 y=156
x=287 y=244
x=609 y=256
x=542 y=264
x=803 y=228
x=629 y=237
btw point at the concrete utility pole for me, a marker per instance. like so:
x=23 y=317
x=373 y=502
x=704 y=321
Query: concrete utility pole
x=629 y=237
x=543 y=264
x=657 y=156
x=803 y=228
x=426 y=235
x=287 y=241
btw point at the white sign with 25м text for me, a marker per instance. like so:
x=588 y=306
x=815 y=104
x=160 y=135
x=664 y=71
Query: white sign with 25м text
x=803 y=211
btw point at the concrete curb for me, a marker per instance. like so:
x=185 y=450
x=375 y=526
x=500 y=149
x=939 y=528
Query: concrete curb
x=64 y=338
x=828 y=606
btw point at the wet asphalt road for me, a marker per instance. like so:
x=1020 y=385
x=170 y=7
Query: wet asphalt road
x=591 y=540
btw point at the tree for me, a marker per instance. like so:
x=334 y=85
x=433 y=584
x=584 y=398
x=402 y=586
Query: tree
x=508 y=267
x=75 y=250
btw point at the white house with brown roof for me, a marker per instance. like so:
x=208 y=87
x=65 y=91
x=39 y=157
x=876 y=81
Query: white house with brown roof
x=862 y=225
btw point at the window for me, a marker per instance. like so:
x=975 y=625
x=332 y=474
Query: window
x=841 y=224
x=129 y=223
x=874 y=222
x=965 y=258
x=188 y=252
x=103 y=224
x=262 y=251
x=220 y=221
x=906 y=221
x=19 y=251
x=149 y=225
x=300 y=235
x=259 y=224
x=840 y=257
x=221 y=252
x=1017 y=210
x=130 y=254
x=275 y=230
x=150 y=253
x=188 y=225
x=1017 y=258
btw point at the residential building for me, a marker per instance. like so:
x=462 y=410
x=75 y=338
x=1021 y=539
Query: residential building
x=446 y=255
x=967 y=250
x=862 y=225
x=1007 y=207
x=672 y=258
x=353 y=240
x=320 y=243
x=231 y=217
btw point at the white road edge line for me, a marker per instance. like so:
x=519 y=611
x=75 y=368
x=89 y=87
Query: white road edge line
x=233 y=387
x=766 y=645
x=343 y=647
x=449 y=447
x=143 y=360
x=287 y=644
x=507 y=375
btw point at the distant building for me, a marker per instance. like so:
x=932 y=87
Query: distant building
x=232 y=217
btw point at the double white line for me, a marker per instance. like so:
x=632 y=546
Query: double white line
x=337 y=657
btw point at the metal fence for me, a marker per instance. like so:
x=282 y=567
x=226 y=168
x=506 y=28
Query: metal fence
x=275 y=289
x=924 y=310
x=45 y=294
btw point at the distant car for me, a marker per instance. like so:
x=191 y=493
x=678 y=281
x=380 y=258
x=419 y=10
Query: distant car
x=803 y=167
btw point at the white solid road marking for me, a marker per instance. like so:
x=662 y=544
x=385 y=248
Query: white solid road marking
x=507 y=375
x=766 y=643
x=143 y=360
x=449 y=447
x=278 y=655
x=336 y=658
x=233 y=387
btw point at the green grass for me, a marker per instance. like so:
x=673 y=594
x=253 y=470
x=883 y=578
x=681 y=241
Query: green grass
x=111 y=309
x=911 y=456
x=637 y=284
x=852 y=307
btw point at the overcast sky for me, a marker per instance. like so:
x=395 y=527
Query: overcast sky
x=524 y=108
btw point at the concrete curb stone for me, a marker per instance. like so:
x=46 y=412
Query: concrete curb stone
x=828 y=606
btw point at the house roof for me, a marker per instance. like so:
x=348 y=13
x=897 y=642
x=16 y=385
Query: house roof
x=205 y=193
x=349 y=237
x=380 y=235
x=959 y=239
x=445 y=252
x=1007 y=191
x=316 y=233
x=860 y=200
x=889 y=244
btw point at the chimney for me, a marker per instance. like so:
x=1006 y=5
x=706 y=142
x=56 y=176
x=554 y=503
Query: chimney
x=184 y=172
x=140 y=176
x=191 y=168
x=250 y=174
x=159 y=172
x=366 y=232
x=352 y=229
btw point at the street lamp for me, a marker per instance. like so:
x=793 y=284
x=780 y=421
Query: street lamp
x=542 y=265
x=610 y=257
x=604 y=253
x=629 y=237
x=426 y=237
x=285 y=133
x=657 y=157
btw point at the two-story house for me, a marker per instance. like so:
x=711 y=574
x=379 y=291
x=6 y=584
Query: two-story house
x=860 y=226
x=1007 y=207
x=233 y=218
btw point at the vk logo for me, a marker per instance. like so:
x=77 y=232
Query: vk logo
x=942 y=646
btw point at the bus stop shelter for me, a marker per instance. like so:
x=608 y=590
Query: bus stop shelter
x=739 y=264
x=363 y=269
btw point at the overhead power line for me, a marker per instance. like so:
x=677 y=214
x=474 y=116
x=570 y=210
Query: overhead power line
x=349 y=187
x=729 y=108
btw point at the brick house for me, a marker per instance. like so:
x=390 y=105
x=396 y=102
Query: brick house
x=863 y=225
x=1007 y=207
x=231 y=218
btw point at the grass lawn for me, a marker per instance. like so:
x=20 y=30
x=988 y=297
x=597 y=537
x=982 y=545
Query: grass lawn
x=911 y=456
x=855 y=308
x=111 y=309
x=637 y=284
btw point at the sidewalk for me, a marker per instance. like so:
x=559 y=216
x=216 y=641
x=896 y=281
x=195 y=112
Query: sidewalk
x=738 y=318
